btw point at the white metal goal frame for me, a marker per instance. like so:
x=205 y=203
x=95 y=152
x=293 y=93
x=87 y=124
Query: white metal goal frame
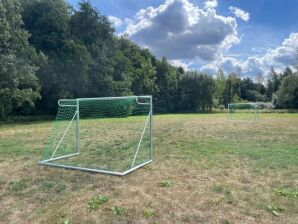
x=140 y=100
x=252 y=106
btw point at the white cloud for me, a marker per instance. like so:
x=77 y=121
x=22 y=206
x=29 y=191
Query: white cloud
x=178 y=29
x=179 y=63
x=115 y=20
x=184 y=33
x=278 y=58
x=210 y=3
x=239 y=13
x=285 y=54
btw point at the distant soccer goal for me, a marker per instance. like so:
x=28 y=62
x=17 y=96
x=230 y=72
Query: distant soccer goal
x=111 y=135
x=243 y=112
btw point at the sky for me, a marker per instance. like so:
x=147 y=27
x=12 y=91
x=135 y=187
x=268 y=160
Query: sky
x=244 y=36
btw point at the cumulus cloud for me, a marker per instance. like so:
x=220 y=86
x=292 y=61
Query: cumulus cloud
x=239 y=13
x=210 y=3
x=184 y=32
x=285 y=54
x=179 y=63
x=278 y=58
x=178 y=29
x=115 y=21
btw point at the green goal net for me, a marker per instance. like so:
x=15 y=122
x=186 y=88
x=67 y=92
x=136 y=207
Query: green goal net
x=110 y=135
x=243 y=111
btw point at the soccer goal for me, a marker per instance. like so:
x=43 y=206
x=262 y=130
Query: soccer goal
x=243 y=112
x=111 y=135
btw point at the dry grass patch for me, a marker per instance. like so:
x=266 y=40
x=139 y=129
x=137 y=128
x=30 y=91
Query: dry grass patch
x=219 y=172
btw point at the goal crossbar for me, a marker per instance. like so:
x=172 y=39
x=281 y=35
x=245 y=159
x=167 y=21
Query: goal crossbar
x=250 y=108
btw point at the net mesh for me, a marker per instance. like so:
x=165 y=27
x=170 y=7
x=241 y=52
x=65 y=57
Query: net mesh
x=243 y=111
x=111 y=134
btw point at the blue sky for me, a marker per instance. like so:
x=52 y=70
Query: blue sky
x=247 y=36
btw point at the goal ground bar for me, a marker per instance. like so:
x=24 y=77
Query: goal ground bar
x=95 y=170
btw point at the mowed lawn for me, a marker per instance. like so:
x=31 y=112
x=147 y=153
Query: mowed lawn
x=206 y=170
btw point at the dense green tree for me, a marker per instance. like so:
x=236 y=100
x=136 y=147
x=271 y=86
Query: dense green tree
x=220 y=86
x=288 y=71
x=287 y=94
x=167 y=83
x=18 y=83
x=196 y=92
x=142 y=67
x=233 y=90
x=47 y=22
x=65 y=73
x=271 y=83
x=109 y=72
x=88 y=25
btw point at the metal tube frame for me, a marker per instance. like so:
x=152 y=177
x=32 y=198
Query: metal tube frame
x=256 y=112
x=78 y=127
x=151 y=131
x=141 y=139
x=149 y=120
x=63 y=135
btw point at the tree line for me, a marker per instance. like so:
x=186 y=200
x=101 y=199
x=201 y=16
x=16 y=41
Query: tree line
x=50 y=50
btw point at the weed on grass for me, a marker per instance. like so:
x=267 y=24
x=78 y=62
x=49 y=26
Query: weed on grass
x=18 y=185
x=191 y=218
x=218 y=189
x=65 y=221
x=97 y=201
x=148 y=213
x=118 y=210
x=226 y=192
x=48 y=184
x=225 y=221
x=2 y=182
x=274 y=209
x=51 y=185
x=287 y=192
x=164 y=183
x=59 y=188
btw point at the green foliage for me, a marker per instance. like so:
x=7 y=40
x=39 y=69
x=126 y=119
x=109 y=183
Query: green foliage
x=90 y=27
x=196 y=92
x=165 y=183
x=167 y=79
x=218 y=189
x=18 y=185
x=18 y=62
x=274 y=209
x=273 y=83
x=228 y=196
x=149 y=213
x=287 y=192
x=59 y=188
x=97 y=201
x=64 y=75
x=225 y=191
x=287 y=94
x=48 y=184
x=65 y=221
x=220 y=90
x=118 y=210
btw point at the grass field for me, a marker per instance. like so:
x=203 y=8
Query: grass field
x=108 y=144
x=206 y=170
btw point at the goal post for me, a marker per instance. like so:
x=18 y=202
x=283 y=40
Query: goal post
x=111 y=135
x=243 y=111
